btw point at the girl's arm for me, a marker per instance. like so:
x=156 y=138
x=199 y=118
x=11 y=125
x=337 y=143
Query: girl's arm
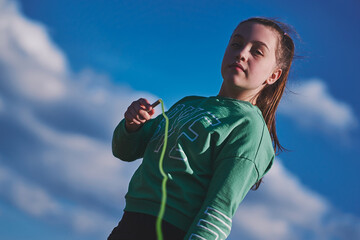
x=137 y=114
x=231 y=181
x=132 y=134
x=245 y=159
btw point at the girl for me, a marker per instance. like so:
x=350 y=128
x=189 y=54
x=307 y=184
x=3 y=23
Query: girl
x=218 y=147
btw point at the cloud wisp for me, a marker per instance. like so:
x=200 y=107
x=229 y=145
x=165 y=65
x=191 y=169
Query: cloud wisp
x=56 y=130
x=55 y=152
x=312 y=106
x=283 y=208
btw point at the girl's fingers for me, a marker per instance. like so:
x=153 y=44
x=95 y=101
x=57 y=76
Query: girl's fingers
x=128 y=117
x=131 y=116
x=138 y=116
x=136 y=106
x=145 y=103
x=144 y=115
x=135 y=115
x=139 y=112
x=151 y=112
x=137 y=122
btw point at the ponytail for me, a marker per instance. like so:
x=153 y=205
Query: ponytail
x=269 y=97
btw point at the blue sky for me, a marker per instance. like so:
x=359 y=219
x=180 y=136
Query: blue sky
x=69 y=69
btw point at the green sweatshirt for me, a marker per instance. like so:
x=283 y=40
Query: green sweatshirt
x=218 y=148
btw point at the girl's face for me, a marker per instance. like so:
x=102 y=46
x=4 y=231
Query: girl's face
x=249 y=61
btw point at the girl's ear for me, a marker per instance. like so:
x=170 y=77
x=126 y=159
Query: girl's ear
x=274 y=76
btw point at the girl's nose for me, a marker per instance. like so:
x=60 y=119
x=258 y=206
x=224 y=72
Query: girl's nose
x=242 y=54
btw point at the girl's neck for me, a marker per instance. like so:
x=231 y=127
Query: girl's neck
x=239 y=95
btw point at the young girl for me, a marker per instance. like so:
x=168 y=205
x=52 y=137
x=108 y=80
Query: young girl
x=218 y=147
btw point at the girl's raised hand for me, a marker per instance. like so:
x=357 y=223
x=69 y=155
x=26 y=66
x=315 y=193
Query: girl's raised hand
x=137 y=114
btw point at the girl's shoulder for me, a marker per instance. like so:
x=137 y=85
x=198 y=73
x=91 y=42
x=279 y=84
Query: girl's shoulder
x=189 y=98
x=224 y=107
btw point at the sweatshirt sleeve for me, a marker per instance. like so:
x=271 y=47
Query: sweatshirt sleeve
x=231 y=181
x=236 y=168
x=131 y=146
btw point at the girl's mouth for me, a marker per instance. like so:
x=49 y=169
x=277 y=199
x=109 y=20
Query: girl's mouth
x=237 y=66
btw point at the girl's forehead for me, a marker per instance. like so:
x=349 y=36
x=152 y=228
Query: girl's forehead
x=251 y=31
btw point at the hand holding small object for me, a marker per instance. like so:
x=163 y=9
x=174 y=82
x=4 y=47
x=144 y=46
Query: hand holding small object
x=138 y=113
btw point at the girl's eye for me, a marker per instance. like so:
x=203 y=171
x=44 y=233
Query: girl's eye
x=235 y=44
x=258 y=52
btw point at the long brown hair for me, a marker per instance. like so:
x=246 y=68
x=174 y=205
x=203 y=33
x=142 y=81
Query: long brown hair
x=269 y=97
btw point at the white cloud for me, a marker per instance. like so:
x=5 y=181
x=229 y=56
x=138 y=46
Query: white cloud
x=313 y=106
x=31 y=199
x=28 y=53
x=257 y=222
x=2 y=104
x=56 y=161
x=283 y=208
x=38 y=203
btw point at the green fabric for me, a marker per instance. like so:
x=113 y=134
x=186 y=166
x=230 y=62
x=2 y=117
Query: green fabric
x=218 y=148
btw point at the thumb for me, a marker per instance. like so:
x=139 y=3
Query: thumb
x=151 y=112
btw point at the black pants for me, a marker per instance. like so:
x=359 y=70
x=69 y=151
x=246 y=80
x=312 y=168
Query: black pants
x=138 y=226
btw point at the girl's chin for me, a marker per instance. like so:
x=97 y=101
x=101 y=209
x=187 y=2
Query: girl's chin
x=237 y=82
